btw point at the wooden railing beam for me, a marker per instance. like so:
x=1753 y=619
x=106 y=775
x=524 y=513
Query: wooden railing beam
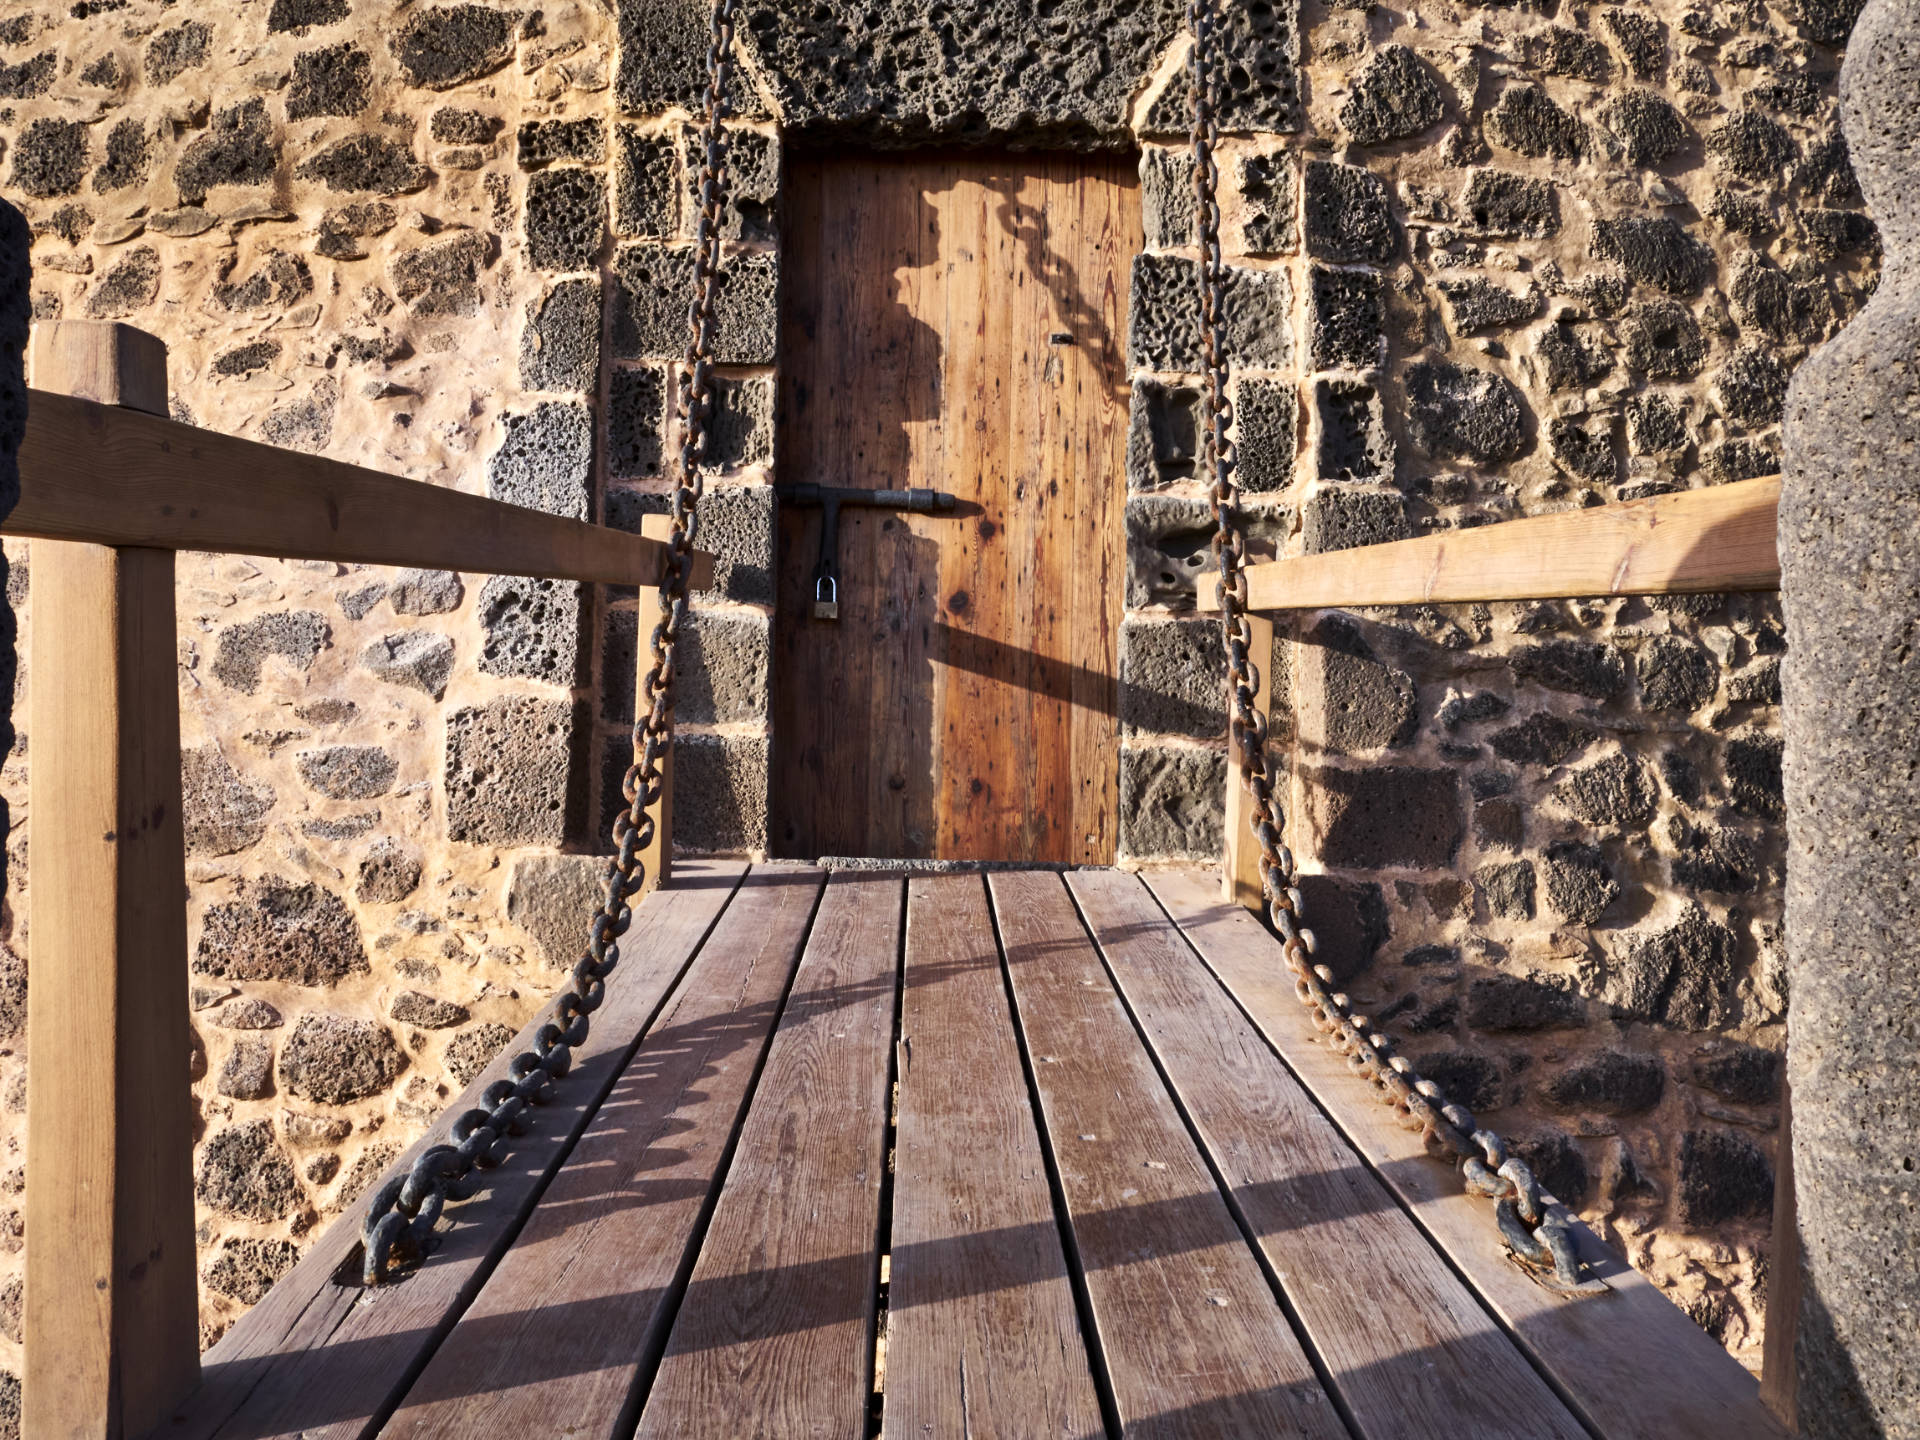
x=1719 y=538
x=1240 y=876
x=658 y=856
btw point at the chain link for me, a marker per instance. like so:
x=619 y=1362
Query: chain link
x=1536 y=1236
x=402 y=1214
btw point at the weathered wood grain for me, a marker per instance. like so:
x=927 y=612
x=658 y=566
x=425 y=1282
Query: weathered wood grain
x=775 y=1336
x=1240 y=873
x=1719 y=538
x=576 y=1312
x=93 y=473
x=955 y=323
x=656 y=859
x=983 y=1342
x=1411 y=1353
x=1194 y=1342
x=318 y=1360
x=1630 y=1364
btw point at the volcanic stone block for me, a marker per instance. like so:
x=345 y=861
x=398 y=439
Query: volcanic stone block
x=1614 y=791
x=542 y=142
x=1163 y=434
x=1348 y=701
x=1479 y=304
x=1752 y=386
x=1711 y=859
x=244 y=1173
x=1506 y=1003
x=129 y=287
x=753 y=182
x=336 y=1059
x=513 y=775
x=1528 y=122
x=30 y=78
x=442 y=46
x=1753 y=766
x=553 y=898
x=1266 y=416
x=300 y=934
x=347 y=772
x=722 y=665
x=246 y=1267
x=307 y=423
x=443 y=276
x=425 y=592
x=1574 y=667
x=277 y=280
x=1641 y=39
x=1507 y=889
x=1268 y=225
x=656 y=288
x=736 y=526
x=566 y=219
x=1663 y=340
x=1647 y=127
x=1724 y=1176
x=1501 y=203
x=1558 y=1164
x=534 y=629
x=171 y=53
x=129 y=152
x=1675 y=674
x=1466 y=414
x=367 y=162
x=1385 y=816
x=296 y=636
x=1172 y=801
x=1752 y=145
x=1680 y=976
x=1580 y=887
x=545 y=461
x=1347 y=214
x=1163 y=324
x=1657 y=251
x=663 y=54
x=1340 y=519
x=389 y=872
x=1611 y=1083
x=410 y=1007
x=740 y=430
x=1167 y=204
x=452 y=125
x=238 y=149
x=1744 y=1074
x=1656 y=424
x=223 y=813
x=1349 y=921
x=719 y=792
x=248 y=1071
x=646 y=184
x=1347 y=319
x=636 y=422
x=1395 y=96
x=337 y=80
x=560 y=348
x=1352 y=441
x=419 y=659
x=1170 y=678
x=1584 y=451
x=1464 y=1077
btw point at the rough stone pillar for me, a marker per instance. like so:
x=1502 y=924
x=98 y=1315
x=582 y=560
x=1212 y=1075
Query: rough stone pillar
x=1850 y=553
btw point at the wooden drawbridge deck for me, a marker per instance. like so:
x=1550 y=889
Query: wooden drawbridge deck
x=1122 y=1189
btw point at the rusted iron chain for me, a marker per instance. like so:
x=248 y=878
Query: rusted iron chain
x=1538 y=1239
x=402 y=1214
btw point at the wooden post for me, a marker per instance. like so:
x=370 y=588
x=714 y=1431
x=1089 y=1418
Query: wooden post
x=1779 y=1372
x=657 y=857
x=1241 y=876
x=112 y=1310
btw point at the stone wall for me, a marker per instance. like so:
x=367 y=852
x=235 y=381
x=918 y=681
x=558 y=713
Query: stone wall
x=1491 y=259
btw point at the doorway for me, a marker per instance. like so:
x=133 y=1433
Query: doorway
x=953 y=323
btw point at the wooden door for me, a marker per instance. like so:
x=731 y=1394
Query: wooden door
x=958 y=323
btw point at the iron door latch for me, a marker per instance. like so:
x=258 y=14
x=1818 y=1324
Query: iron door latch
x=826 y=573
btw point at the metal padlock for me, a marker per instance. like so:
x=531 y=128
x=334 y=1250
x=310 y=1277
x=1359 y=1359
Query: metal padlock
x=826 y=598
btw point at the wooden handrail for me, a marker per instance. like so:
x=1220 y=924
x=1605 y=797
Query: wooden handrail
x=105 y=475
x=1719 y=538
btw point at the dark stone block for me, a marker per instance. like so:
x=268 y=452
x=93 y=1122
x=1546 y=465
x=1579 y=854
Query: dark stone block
x=1387 y=816
x=1675 y=674
x=1395 y=96
x=347 y=772
x=1680 y=976
x=719 y=792
x=1163 y=322
x=1584 y=451
x=553 y=897
x=442 y=46
x=542 y=142
x=1349 y=923
x=656 y=288
x=740 y=428
x=1500 y=824
x=129 y=153
x=1542 y=739
x=1268 y=226
x=1829 y=234
x=1744 y=1074
x=1656 y=425
x=1365 y=705
x=389 y=873
x=248 y=1071
x=513 y=772
x=1664 y=340
x=636 y=422
x=1507 y=889
x=1528 y=122
x=1259 y=90
x=663 y=55
x=306 y=424
x=1656 y=251
x=566 y=219
x=454 y=126
x=1740 y=460
x=1611 y=1083
x=171 y=53
x=1465 y=1078
x=753 y=183
x=1163 y=434
x=335 y=81
x=425 y=592
x=50 y=158
x=534 y=629
x=1170 y=678
x=1171 y=801
x=1570 y=361
x=296 y=636
x=1167 y=203
x=30 y=78
x=1168 y=549
x=1752 y=386
x=1561 y=50
x=646 y=184
x=129 y=287
x=1558 y=1164
x=244 y=360
x=410 y=1007
x=1343 y=519
x=736 y=526
x=276 y=281
x=367 y=162
x=1580 y=888
x=1681 y=777
x=246 y=1267
x=1614 y=791
x=1464 y=414
x=1722 y=861
x=1500 y=203
x=1266 y=415
x=1480 y=304
x=721 y=668
x=1576 y=667
x=244 y=1173
x=296 y=17
x=1753 y=776
x=545 y=460
x=1723 y=1177
x=223 y=813
x=1348 y=217
x=1642 y=41
x=337 y=1059
x=298 y=934
x=1353 y=441
x=1647 y=127
x=1347 y=319
x=1753 y=146
x=1502 y=1003
x=1765 y=299
x=560 y=348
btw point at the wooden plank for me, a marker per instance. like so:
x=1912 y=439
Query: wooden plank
x=323 y=1361
x=775 y=1336
x=577 y=1310
x=1412 y=1353
x=983 y=1341
x=92 y=473
x=657 y=857
x=112 y=1303
x=1240 y=874
x=1719 y=538
x=1630 y=1364
x=1194 y=1342
x=1786 y=1283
